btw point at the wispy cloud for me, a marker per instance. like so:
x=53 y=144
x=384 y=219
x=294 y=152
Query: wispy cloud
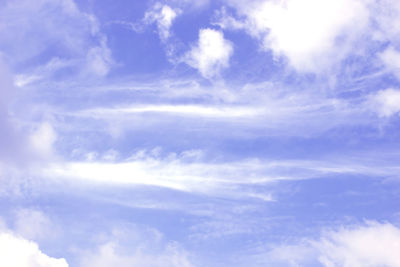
x=163 y=16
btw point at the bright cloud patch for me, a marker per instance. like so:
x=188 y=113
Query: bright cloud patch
x=386 y=102
x=391 y=58
x=312 y=34
x=16 y=251
x=42 y=139
x=373 y=245
x=211 y=54
x=163 y=16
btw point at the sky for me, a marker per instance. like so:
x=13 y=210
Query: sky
x=203 y=133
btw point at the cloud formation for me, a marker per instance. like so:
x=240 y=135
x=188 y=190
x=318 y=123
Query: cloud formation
x=163 y=16
x=312 y=34
x=385 y=102
x=136 y=247
x=16 y=251
x=371 y=245
x=81 y=46
x=316 y=36
x=211 y=54
x=391 y=59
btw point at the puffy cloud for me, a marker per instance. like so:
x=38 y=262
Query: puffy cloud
x=371 y=245
x=136 y=247
x=16 y=251
x=312 y=34
x=211 y=54
x=385 y=102
x=163 y=16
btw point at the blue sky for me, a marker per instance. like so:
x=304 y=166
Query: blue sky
x=199 y=133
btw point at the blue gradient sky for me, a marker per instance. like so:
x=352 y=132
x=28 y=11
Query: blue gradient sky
x=199 y=133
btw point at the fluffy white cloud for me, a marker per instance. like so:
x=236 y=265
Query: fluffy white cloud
x=371 y=245
x=16 y=251
x=211 y=54
x=163 y=16
x=312 y=34
x=385 y=102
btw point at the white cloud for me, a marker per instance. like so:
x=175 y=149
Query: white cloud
x=183 y=110
x=385 y=102
x=371 y=245
x=386 y=17
x=313 y=34
x=391 y=59
x=99 y=59
x=19 y=252
x=233 y=179
x=42 y=139
x=163 y=16
x=136 y=247
x=211 y=54
x=31 y=29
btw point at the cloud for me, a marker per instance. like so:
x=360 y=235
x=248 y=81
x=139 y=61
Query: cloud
x=211 y=54
x=42 y=139
x=371 y=245
x=385 y=15
x=163 y=16
x=99 y=59
x=190 y=172
x=191 y=5
x=385 y=102
x=16 y=251
x=391 y=59
x=313 y=35
x=33 y=224
x=45 y=31
x=136 y=247
x=183 y=110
